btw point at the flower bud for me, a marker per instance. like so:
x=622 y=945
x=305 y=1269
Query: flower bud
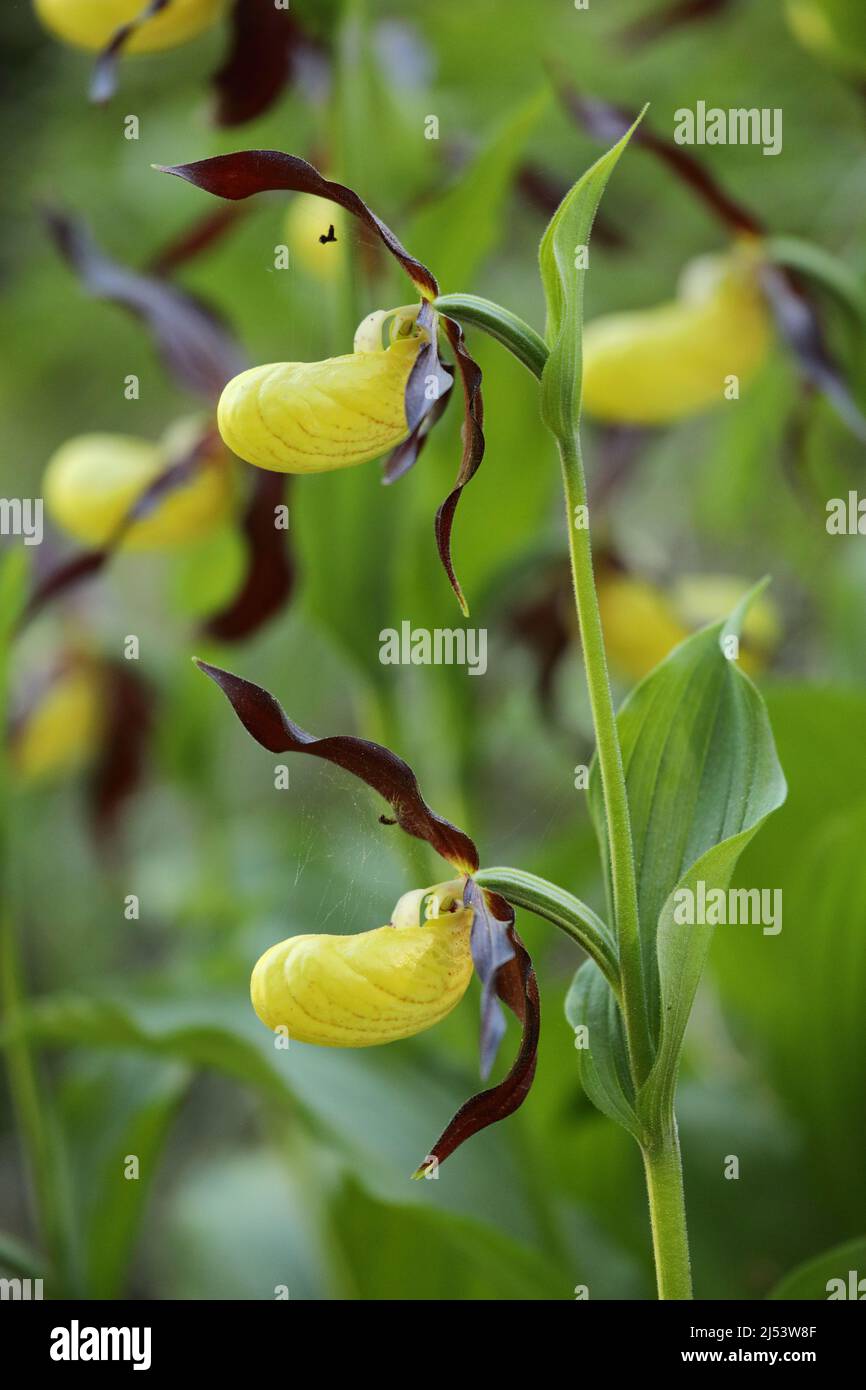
x=94 y=480
x=90 y=24
x=310 y=417
x=657 y=365
x=373 y=987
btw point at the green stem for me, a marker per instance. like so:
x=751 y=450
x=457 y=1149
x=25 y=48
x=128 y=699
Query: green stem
x=563 y=909
x=512 y=332
x=664 y=1181
x=620 y=851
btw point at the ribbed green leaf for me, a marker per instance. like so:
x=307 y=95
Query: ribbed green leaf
x=603 y=1065
x=702 y=775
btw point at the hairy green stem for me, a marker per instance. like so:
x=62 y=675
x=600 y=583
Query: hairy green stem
x=620 y=851
x=664 y=1182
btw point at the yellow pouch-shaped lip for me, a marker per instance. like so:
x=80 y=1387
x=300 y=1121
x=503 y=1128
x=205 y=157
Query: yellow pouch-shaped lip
x=665 y=363
x=90 y=24
x=373 y=987
x=93 y=480
x=310 y=417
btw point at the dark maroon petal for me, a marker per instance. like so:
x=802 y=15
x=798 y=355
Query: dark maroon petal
x=103 y=81
x=265 y=719
x=406 y=455
x=270 y=575
x=195 y=239
x=264 y=45
x=800 y=327
x=472 y=434
x=517 y=987
x=85 y=565
x=675 y=15
x=492 y=922
x=240 y=175
x=129 y=706
x=68 y=575
x=607 y=124
x=195 y=345
x=424 y=405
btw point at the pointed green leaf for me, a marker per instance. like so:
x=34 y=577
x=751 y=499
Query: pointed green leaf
x=562 y=261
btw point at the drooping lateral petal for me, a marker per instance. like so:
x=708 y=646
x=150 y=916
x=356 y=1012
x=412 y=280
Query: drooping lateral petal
x=493 y=919
x=265 y=719
x=517 y=987
x=103 y=80
x=195 y=345
x=194 y=239
x=427 y=392
x=270 y=575
x=264 y=47
x=86 y=564
x=472 y=434
x=240 y=175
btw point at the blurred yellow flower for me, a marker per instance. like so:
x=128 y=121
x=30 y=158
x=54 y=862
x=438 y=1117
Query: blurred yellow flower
x=93 y=480
x=60 y=733
x=373 y=987
x=643 y=622
x=310 y=417
x=835 y=30
x=656 y=365
x=314 y=230
x=91 y=23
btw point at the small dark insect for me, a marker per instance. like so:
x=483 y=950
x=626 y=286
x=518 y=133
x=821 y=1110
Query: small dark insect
x=330 y=237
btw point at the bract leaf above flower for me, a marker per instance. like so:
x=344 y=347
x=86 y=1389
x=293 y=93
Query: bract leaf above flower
x=265 y=719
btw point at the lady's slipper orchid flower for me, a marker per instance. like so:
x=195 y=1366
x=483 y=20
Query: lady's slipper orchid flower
x=311 y=417
x=399 y=979
x=113 y=488
x=656 y=365
x=345 y=411
x=91 y=24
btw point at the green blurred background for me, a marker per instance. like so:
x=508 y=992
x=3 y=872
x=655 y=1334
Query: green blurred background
x=261 y=1168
